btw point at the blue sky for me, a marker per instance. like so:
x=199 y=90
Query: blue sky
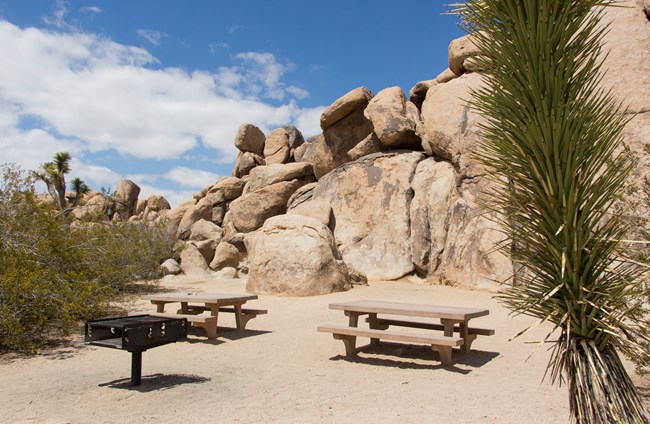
x=154 y=91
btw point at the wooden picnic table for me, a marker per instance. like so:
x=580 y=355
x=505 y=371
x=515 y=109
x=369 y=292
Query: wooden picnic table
x=193 y=304
x=451 y=320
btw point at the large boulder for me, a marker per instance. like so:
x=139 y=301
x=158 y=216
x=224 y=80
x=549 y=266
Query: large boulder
x=280 y=143
x=469 y=258
x=245 y=162
x=450 y=131
x=338 y=139
x=306 y=151
x=231 y=188
x=344 y=105
x=95 y=208
x=173 y=217
x=387 y=112
x=627 y=45
x=157 y=203
x=459 y=50
x=126 y=197
x=264 y=176
x=369 y=145
x=295 y=255
x=434 y=185
x=249 y=138
x=249 y=212
x=418 y=92
x=205 y=230
x=192 y=261
x=371 y=199
x=193 y=214
x=225 y=255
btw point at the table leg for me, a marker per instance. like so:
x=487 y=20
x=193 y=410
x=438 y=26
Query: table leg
x=214 y=311
x=160 y=307
x=353 y=318
x=372 y=322
x=448 y=326
x=238 y=317
x=467 y=338
x=184 y=308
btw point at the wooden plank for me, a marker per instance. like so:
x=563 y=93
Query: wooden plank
x=433 y=326
x=392 y=335
x=200 y=297
x=198 y=309
x=410 y=309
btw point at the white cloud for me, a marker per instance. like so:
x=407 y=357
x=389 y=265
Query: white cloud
x=152 y=36
x=233 y=28
x=187 y=177
x=298 y=92
x=79 y=92
x=214 y=48
x=90 y=9
x=111 y=96
x=94 y=176
x=58 y=18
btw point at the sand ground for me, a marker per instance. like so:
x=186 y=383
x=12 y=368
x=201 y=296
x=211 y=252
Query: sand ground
x=280 y=370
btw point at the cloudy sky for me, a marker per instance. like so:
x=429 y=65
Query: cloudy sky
x=154 y=91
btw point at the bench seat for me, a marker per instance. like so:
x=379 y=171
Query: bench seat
x=207 y=322
x=442 y=344
x=385 y=322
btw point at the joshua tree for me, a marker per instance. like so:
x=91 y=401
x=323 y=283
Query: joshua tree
x=550 y=141
x=80 y=188
x=53 y=175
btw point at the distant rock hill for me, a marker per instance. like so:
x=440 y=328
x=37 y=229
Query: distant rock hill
x=388 y=189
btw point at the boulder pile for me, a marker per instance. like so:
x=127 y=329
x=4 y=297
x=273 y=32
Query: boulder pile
x=388 y=189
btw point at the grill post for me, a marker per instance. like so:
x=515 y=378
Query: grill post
x=136 y=367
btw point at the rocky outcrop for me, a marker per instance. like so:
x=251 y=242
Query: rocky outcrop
x=126 y=198
x=344 y=126
x=370 y=199
x=389 y=188
x=295 y=255
x=264 y=176
x=249 y=212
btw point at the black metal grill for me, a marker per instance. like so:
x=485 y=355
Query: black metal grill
x=135 y=334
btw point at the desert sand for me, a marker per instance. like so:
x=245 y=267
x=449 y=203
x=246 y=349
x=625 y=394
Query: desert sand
x=281 y=370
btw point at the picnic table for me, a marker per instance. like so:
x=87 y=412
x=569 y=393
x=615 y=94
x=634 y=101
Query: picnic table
x=194 y=304
x=451 y=320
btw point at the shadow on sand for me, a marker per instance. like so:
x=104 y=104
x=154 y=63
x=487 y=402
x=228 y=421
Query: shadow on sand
x=156 y=382
x=416 y=357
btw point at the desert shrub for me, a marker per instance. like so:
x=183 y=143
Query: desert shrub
x=120 y=255
x=54 y=275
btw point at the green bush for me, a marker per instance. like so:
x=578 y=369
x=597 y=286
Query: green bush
x=54 y=275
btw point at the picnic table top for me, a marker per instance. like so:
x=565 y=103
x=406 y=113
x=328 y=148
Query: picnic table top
x=201 y=297
x=410 y=309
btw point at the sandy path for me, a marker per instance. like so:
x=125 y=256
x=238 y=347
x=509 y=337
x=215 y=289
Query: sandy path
x=282 y=370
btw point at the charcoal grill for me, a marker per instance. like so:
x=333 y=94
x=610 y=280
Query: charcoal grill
x=135 y=334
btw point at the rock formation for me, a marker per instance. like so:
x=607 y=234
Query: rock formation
x=390 y=187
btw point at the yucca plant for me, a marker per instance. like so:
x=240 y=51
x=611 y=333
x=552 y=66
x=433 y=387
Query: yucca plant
x=550 y=140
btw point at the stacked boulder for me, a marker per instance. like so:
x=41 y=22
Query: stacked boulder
x=390 y=188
